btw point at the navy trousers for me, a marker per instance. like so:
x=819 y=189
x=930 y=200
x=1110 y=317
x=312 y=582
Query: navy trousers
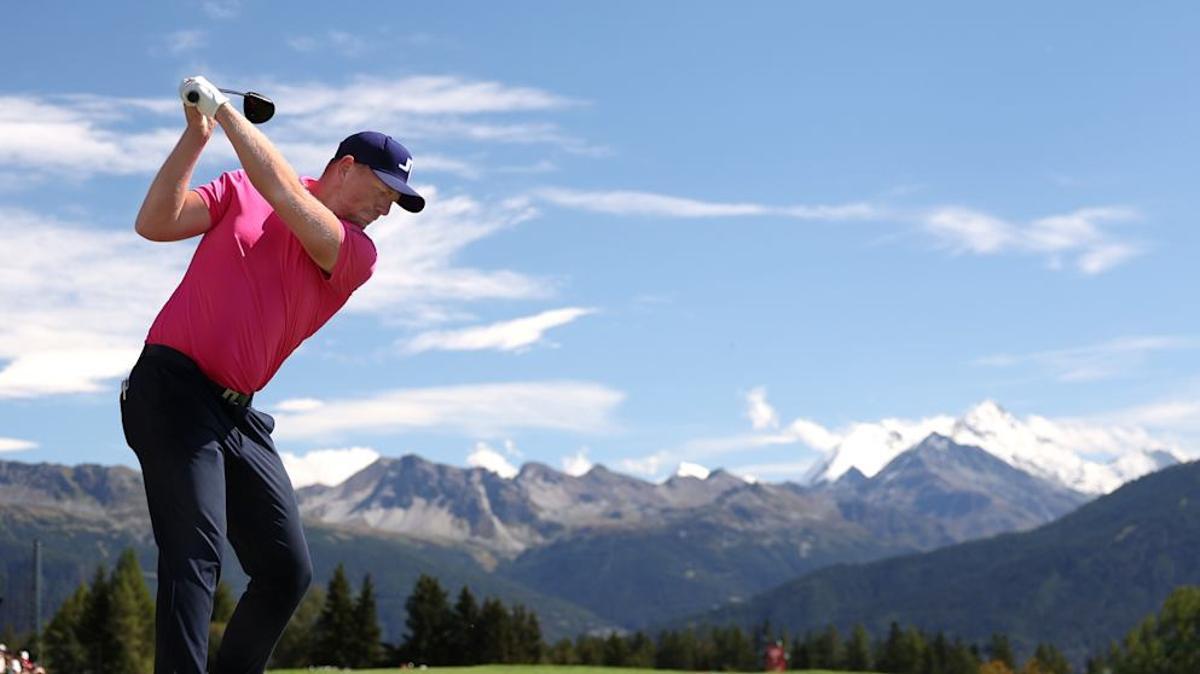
x=212 y=473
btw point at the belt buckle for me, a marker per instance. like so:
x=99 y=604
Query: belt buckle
x=231 y=396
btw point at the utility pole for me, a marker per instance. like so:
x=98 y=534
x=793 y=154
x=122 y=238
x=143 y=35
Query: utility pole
x=37 y=598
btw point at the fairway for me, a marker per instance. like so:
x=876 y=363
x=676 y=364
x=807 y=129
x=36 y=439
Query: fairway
x=534 y=669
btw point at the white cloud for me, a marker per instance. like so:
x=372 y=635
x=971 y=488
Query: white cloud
x=67 y=136
x=15 y=445
x=182 y=41
x=1180 y=415
x=488 y=458
x=578 y=463
x=659 y=205
x=1097 y=361
x=482 y=410
x=514 y=335
x=222 y=9
x=299 y=405
x=77 y=302
x=760 y=412
x=1077 y=234
x=416 y=274
x=327 y=466
x=651 y=466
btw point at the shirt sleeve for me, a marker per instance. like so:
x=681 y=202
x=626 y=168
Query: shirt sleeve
x=220 y=194
x=355 y=261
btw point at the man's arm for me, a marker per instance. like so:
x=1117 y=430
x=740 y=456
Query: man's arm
x=170 y=211
x=317 y=228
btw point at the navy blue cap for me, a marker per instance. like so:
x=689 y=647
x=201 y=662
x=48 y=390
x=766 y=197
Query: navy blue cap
x=390 y=160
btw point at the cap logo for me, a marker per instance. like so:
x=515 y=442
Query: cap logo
x=406 y=166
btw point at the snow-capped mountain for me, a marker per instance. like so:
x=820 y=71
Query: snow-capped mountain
x=1086 y=458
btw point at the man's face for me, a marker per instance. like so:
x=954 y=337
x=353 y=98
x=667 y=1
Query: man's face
x=365 y=197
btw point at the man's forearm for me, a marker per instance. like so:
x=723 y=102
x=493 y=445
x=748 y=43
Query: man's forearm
x=313 y=224
x=165 y=198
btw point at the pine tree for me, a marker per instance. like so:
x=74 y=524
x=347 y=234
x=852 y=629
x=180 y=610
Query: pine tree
x=495 y=634
x=858 y=650
x=428 y=623
x=65 y=649
x=130 y=620
x=334 y=633
x=463 y=632
x=527 y=644
x=1000 y=649
x=295 y=647
x=96 y=633
x=1051 y=659
x=368 y=649
x=641 y=651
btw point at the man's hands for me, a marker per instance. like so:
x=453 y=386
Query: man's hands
x=207 y=97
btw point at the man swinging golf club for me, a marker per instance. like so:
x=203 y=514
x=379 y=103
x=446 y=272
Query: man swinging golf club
x=279 y=256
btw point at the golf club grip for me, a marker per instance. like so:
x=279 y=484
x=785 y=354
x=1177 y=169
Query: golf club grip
x=193 y=97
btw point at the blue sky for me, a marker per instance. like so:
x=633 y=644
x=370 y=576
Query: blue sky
x=657 y=232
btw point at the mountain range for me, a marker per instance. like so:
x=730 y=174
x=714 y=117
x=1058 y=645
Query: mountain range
x=599 y=550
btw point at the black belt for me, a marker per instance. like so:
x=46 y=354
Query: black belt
x=226 y=394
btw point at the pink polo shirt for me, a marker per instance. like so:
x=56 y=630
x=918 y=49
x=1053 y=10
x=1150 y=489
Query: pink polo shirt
x=252 y=294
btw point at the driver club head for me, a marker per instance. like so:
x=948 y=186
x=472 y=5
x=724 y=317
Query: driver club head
x=258 y=108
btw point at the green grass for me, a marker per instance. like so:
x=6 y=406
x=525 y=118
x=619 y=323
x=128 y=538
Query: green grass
x=526 y=669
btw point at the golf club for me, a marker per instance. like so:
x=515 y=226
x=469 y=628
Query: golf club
x=258 y=108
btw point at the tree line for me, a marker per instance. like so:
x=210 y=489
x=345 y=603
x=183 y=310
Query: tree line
x=107 y=627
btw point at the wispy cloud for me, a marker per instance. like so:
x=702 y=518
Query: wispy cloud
x=181 y=41
x=15 y=445
x=482 y=410
x=327 y=466
x=1178 y=415
x=1078 y=236
x=647 y=204
x=70 y=330
x=222 y=9
x=1094 y=362
x=515 y=335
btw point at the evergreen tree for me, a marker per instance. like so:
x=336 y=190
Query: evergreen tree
x=1051 y=660
x=962 y=659
x=96 y=632
x=130 y=619
x=1000 y=649
x=642 y=652
x=563 y=653
x=526 y=645
x=825 y=650
x=367 y=635
x=64 y=643
x=429 y=623
x=334 y=636
x=295 y=647
x=463 y=633
x=858 y=650
x=588 y=649
x=616 y=651
x=1168 y=643
x=799 y=657
x=495 y=634
x=674 y=651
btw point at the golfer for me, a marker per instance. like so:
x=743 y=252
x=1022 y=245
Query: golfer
x=278 y=257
